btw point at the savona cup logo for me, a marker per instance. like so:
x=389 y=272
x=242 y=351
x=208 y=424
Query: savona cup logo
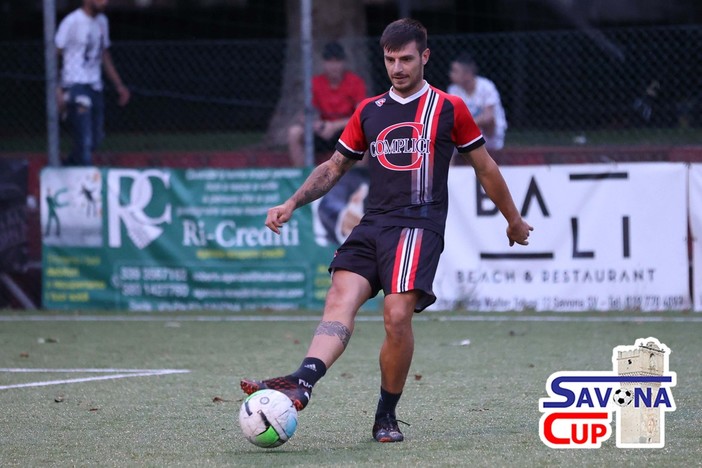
x=580 y=406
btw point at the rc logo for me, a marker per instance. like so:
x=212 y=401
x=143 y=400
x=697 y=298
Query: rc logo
x=578 y=410
x=136 y=199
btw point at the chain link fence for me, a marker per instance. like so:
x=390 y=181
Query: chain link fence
x=624 y=88
x=570 y=96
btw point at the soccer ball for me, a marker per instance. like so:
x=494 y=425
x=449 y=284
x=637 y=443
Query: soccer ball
x=268 y=418
x=623 y=397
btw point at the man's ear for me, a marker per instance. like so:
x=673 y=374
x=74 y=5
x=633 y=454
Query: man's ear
x=425 y=56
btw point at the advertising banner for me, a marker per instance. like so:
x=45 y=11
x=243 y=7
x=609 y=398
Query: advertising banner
x=606 y=237
x=696 y=231
x=162 y=240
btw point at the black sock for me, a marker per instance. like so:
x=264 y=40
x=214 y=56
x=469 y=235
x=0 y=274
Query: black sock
x=387 y=402
x=311 y=370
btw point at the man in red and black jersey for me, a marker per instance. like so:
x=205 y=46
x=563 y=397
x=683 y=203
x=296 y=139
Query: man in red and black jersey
x=409 y=133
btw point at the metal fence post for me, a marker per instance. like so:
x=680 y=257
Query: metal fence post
x=52 y=125
x=306 y=34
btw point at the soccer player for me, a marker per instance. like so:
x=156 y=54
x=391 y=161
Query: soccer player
x=410 y=132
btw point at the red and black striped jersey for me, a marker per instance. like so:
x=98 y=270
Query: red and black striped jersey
x=410 y=142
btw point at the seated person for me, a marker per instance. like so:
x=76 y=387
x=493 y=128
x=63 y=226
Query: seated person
x=335 y=94
x=482 y=98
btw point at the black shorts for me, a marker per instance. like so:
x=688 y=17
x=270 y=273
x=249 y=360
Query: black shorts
x=393 y=258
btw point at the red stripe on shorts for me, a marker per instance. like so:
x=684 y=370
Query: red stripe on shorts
x=406 y=260
x=417 y=248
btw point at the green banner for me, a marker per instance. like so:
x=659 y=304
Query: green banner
x=178 y=240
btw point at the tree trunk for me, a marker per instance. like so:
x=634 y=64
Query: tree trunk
x=339 y=20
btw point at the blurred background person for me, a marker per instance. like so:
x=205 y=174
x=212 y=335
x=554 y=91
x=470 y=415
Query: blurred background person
x=335 y=94
x=83 y=41
x=341 y=209
x=482 y=98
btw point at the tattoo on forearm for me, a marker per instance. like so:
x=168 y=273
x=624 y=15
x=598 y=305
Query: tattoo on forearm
x=318 y=184
x=322 y=179
x=334 y=329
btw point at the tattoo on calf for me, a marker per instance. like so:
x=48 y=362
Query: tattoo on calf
x=334 y=329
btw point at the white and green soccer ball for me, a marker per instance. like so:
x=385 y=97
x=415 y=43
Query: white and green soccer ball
x=268 y=418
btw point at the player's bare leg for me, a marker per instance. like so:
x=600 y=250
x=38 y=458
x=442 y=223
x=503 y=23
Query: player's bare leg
x=398 y=347
x=347 y=293
x=395 y=360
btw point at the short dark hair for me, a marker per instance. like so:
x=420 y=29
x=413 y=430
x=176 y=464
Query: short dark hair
x=333 y=51
x=403 y=31
x=467 y=60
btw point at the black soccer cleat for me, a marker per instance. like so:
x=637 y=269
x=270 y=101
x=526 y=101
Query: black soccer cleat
x=386 y=429
x=293 y=388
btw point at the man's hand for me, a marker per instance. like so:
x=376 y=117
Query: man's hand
x=324 y=130
x=123 y=95
x=518 y=231
x=279 y=215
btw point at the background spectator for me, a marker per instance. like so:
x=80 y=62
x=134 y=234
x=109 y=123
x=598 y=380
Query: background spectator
x=83 y=40
x=482 y=98
x=335 y=94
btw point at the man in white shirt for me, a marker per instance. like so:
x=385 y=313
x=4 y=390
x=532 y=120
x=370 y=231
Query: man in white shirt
x=83 y=40
x=482 y=98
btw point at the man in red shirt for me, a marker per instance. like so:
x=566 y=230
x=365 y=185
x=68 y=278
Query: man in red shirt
x=335 y=94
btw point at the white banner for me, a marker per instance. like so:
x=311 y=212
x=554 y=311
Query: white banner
x=696 y=228
x=606 y=237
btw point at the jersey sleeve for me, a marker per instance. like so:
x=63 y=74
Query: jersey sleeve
x=492 y=96
x=465 y=134
x=105 y=26
x=352 y=142
x=61 y=38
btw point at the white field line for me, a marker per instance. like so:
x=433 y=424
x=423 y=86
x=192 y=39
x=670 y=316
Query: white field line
x=424 y=317
x=111 y=374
